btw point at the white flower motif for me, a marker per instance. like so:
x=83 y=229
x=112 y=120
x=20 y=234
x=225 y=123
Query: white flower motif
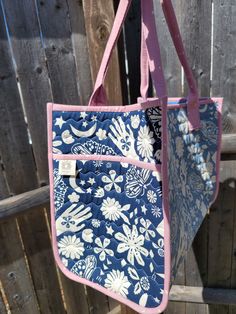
x=112 y=180
x=71 y=247
x=132 y=242
x=160 y=247
x=145 y=229
x=151 y=196
x=145 y=284
x=112 y=209
x=96 y=223
x=145 y=142
x=179 y=146
x=156 y=211
x=102 y=249
x=135 y=121
x=74 y=198
x=101 y=134
x=117 y=282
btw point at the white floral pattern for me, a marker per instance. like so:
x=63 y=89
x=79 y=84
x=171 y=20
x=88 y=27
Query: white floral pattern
x=71 y=247
x=109 y=218
x=133 y=243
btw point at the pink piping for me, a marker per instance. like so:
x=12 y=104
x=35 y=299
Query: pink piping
x=137 y=163
x=129 y=108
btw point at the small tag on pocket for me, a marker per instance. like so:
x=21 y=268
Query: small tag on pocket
x=67 y=167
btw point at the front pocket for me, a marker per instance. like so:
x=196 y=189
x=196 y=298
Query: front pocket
x=110 y=213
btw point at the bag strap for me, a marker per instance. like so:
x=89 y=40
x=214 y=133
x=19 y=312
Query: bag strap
x=98 y=96
x=192 y=102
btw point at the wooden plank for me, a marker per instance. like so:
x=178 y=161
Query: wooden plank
x=14 y=274
x=99 y=16
x=74 y=295
x=21 y=203
x=224 y=45
x=229 y=144
x=56 y=32
x=195 y=19
x=203 y=295
x=170 y=62
x=80 y=47
x=26 y=44
x=32 y=75
x=98 y=302
x=221 y=229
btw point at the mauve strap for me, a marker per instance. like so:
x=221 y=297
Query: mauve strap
x=99 y=97
x=193 y=110
x=150 y=53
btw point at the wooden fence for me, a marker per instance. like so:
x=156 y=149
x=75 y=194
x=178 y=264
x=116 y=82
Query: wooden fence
x=50 y=50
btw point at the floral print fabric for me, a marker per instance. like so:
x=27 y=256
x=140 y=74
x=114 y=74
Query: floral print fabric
x=109 y=225
x=109 y=218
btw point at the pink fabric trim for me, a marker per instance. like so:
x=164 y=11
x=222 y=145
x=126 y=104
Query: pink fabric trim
x=72 y=276
x=151 y=102
x=138 y=163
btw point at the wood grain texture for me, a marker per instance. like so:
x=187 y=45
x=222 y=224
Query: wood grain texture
x=195 y=28
x=221 y=228
x=56 y=32
x=224 y=70
x=80 y=48
x=195 y=20
x=99 y=16
x=98 y=302
x=28 y=53
x=170 y=62
x=32 y=75
x=16 y=154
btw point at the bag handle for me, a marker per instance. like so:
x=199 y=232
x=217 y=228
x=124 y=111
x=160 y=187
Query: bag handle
x=192 y=101
x=98 y=96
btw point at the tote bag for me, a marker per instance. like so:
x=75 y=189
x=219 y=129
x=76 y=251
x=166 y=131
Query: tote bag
x=130 y=185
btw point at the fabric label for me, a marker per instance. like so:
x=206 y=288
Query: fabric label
x=67 y=167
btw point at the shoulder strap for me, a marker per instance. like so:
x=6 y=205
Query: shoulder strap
x=193 y=110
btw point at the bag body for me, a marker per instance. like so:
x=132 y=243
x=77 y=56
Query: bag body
x=130 y=185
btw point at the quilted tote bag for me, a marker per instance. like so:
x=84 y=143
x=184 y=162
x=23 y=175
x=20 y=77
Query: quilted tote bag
x=130 y=185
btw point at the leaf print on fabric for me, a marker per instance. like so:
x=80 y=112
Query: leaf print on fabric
x=122 y=136
x=117 y=282
x=71 y=247
x=85 y=267
x=60 y=190
x=102 y=249
x=135 y=121
x=136 y=181
x=112 y=180
x=55 y=144
x=179 y=146
x=145 y=229
x=145 y=142
x=133 y=242
x=151 y=196
x=76 y=215
x=112 y=210
x=91 y=147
